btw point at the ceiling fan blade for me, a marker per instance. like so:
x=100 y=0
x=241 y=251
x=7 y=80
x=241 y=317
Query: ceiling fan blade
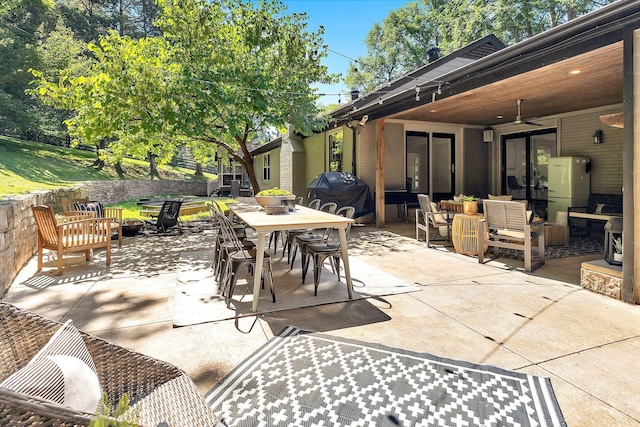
x=531 y=123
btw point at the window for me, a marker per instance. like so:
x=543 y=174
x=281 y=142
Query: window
x=336 y=145
x=266 y=167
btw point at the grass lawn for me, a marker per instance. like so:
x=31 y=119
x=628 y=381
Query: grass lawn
x=27 y=166
x=131 y=208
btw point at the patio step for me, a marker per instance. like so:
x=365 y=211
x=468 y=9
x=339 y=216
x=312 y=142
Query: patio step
x=599 y=276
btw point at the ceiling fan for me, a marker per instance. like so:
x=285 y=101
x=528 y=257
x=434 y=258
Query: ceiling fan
x=518 y=120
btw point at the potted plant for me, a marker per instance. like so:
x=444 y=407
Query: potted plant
x=273 y=197
x=470 y=205
x=617 y=247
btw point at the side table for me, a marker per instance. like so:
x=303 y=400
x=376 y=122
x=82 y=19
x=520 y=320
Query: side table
x=555 y=234
x=464 y=233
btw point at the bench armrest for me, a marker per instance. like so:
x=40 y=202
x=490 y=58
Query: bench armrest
x=577 y=209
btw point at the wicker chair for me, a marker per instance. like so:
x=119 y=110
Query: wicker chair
x=161 y=391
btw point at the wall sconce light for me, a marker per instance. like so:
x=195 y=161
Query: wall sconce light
x=597 y=137
x=487 y=135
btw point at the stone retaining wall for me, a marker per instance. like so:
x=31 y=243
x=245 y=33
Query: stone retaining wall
x=18 y=232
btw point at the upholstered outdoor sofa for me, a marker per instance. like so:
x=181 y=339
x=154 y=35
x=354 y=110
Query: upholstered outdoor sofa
x=161 y=393
x=600 y=208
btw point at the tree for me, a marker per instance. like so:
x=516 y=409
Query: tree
x=19 y=20
x=220 y=72
x=461 y=22
x=394 y=48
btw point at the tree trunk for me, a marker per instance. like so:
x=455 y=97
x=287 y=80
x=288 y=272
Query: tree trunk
x=252 y=176
x=153 y=168
x=199 y=171
x=247 y=161
x=118 y=168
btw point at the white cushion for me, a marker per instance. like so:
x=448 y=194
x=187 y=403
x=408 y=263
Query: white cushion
x=511 y=233
x=507 y=198
x=62 y=371
x=437 y=216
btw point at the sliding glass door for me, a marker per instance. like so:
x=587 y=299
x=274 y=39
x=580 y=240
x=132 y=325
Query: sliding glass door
x=417 y=162
x=443 y=166
x=525 y=160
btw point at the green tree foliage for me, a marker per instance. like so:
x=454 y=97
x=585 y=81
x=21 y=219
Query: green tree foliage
x=18 y=23
x=221 y=72
x=45 y=34
x=460 y=22
x=395 y=47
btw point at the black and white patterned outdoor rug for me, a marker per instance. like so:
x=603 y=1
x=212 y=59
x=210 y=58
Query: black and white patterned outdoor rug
x=311 y=379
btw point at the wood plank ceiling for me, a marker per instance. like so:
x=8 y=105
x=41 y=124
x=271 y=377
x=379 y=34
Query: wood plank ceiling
x=548 y=90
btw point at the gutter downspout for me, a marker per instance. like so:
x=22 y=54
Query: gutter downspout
x=353 y=152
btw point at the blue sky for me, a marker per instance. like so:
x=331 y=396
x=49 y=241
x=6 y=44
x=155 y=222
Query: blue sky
x=346 y=23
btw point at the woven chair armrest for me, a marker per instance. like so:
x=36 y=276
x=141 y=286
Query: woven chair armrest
x=21 y=410
x=159 y=390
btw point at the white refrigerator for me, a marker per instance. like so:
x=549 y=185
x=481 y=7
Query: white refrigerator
x=569 y=184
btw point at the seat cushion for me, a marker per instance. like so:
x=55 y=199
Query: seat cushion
x=62 y=371
x=511 y=233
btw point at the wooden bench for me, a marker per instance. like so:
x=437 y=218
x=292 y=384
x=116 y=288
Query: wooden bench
x=600 y=207
x=509 y=225
x=70 y=234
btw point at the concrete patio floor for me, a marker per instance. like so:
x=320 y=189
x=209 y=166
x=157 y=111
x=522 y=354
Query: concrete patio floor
x=542 y=323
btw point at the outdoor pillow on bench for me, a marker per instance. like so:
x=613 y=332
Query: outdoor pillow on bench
x=96 y=207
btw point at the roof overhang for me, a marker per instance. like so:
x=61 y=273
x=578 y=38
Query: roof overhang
x=537 y=70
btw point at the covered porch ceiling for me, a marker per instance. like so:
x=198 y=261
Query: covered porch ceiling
x=548 y=90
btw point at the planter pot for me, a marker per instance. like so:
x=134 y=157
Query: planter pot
x=470 y=208
x=273 y=201
x=617 y=257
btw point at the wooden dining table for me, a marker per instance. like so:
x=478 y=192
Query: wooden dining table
x=300 y=217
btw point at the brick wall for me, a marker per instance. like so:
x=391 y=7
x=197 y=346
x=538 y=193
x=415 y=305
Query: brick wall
x=18 y=232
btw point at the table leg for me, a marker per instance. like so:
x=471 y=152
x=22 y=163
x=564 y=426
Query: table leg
x=257 y=274
x=345 y=260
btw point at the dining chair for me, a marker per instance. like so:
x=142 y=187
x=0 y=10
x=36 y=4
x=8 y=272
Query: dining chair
x=320 y=251
x=300 y=240
x=290 y=234
x=220 y=251
x=236 y=258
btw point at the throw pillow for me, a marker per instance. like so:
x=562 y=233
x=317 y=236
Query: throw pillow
x=96 y=207
x=62 y=371
x=437 y=216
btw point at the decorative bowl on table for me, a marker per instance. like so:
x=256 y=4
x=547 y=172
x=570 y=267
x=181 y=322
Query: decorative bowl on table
x=273 y=201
